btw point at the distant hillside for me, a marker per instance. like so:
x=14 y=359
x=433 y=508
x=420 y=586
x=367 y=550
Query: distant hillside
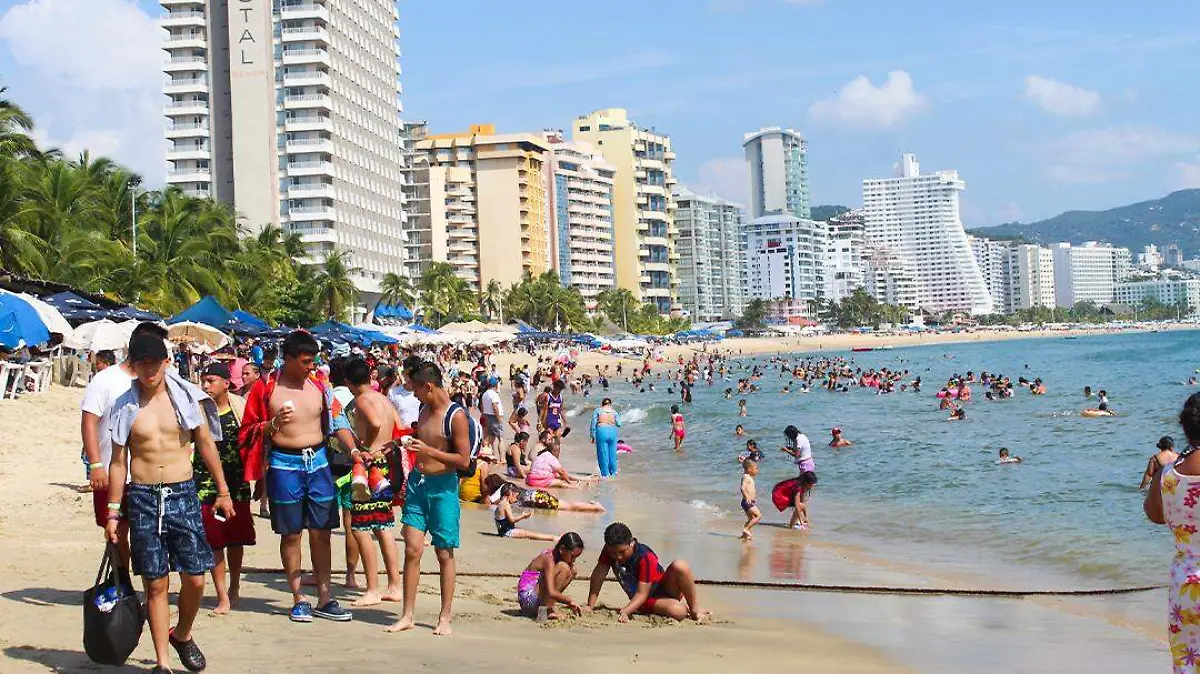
x=1174 y=218
x=823 y=213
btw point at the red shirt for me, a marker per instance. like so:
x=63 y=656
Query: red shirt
x=641 y=567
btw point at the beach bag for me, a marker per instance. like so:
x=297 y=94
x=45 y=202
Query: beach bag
x=474 y=436
x=112 y=615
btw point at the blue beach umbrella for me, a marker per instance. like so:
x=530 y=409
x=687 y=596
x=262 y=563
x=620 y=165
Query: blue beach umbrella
x=20 y=323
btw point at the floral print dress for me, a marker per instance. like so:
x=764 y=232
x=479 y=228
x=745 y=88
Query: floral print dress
x=1180 y=496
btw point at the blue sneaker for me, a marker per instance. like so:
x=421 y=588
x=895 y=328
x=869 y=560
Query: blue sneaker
x=333 y=611
x=302 y=612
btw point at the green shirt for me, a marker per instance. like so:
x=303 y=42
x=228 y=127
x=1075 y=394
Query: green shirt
x=231 y=464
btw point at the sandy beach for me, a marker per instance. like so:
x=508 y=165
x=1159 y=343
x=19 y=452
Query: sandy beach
x=52 y=549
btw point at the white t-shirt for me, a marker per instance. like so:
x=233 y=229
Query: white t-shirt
x=804 y=457
x=406 y=404
x=102 y=391
x=491 y=401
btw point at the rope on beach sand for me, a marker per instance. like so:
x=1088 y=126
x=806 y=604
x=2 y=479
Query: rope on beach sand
x=821 y=587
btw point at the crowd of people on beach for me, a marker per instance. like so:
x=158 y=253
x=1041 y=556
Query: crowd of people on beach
x=323 y=439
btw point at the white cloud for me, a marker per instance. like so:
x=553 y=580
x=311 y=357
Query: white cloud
x=860 y=103
x=727 y=177
x=1060 y=98
x=90 y=44
x=91 y=77
x=1115 y=153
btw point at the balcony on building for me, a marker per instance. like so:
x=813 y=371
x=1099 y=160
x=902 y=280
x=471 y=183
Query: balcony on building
x=306 y=78
x=310 y=213
x=186 y=85
x=194 y=107
x=189 y=40
x=187 y=130
x=301 y=123
x=308 y=145
x=188 y=151
x=189 y=175
x=182 y=17
x=310 y=190
x=290 y=9
x=309 y=167
x=183 y=64
x=305 y=55
x=304 y=101
x=316 y=33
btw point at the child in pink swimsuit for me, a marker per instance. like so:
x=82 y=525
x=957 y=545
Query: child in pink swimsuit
x=677 y=429
x=543 y=582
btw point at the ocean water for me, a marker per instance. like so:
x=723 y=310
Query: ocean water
x=918 y=489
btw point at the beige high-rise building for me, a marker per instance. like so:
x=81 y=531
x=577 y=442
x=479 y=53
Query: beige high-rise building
x=289 y=110
x=488 y=214
x=643 y=208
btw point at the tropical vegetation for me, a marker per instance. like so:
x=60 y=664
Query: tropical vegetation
x=858 y=310
x=71 y=220
x=1149 y=309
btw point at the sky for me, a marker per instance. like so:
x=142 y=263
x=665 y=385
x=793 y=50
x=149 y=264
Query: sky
x=1041 y=106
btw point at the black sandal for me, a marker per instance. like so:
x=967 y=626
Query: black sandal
x=189 y=654
x=159 y=669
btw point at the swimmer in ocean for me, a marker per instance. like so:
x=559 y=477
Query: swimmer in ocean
x=1087 y=391
x=959 y=414
x=742 y=407
x=838 y=439
x=1006 y=458
x=740 y=431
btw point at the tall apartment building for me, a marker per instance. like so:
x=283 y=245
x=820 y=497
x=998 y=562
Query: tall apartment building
x=845 y=257
x=711 y=258
x=418 y=238
x=784 y=264
x=1088 y=272
x=1173 y=255
x=916 y=217
x=489 y=213
x=992 y=258
x=290 y=111
x=1030 y=272
x=778 y=163
x=581 y=217
x=643 y=231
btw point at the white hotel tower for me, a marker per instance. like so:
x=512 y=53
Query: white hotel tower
x=916 y=218
x=290 y=111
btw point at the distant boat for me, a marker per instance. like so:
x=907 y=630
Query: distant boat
x=886 y=347
x=861 y=349
x=1072 y=337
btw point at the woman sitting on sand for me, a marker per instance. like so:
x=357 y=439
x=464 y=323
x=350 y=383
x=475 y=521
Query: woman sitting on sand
x=547 y=471
x=514 y=456
x=539 y=499
x=506 y=521
x=1165 y=456
x=547 y=576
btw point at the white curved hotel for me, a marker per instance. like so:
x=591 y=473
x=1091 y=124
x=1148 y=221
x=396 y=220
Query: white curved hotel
x=916 y=217
x=290 y=111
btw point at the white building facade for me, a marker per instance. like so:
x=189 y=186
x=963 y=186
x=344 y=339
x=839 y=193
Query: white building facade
x=1088 y=272
x=784 y=265
x=581 y=212
x=778 y=165
x=992 y=258
x=711 y=258
x=889 y=280
x=1178 y=292
x=916 y=217
x=1030 y=275
x=291 y=112
x=845 y=257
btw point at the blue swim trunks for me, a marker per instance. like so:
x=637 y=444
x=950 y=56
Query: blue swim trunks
x=431 y=505
x=302 y=493
x=166 y=530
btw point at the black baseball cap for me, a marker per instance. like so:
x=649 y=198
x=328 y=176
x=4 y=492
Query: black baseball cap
x=218 y=370
x=147 y=347
x=385 y=371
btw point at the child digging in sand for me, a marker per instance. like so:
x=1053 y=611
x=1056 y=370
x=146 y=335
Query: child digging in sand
x=651 y=590
x=545 y=580
x=749 y=498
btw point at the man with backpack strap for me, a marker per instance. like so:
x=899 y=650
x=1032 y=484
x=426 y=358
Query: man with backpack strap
x=447 y=442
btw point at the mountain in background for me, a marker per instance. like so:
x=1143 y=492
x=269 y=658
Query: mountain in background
x=824 y=213
x=1174 y=218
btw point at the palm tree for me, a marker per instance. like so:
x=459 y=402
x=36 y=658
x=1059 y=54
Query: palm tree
x=19 y=249
x=618 y=304
x=15 y=126
x=336 y=290
x=396 y=289
x=491 y=300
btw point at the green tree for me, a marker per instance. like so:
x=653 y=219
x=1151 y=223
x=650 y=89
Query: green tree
x=335 y=289
x=396 y=289
x=445 y=297
x=618 y=304
x=754 y=315
x=491 y=301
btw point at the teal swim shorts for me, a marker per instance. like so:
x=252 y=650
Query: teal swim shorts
x=431 y=505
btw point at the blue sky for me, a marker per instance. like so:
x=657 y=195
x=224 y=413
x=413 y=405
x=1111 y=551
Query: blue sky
x=1041 y=106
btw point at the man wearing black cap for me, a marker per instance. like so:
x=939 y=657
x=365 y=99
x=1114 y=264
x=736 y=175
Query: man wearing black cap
x=152 y=426
x=226 y=537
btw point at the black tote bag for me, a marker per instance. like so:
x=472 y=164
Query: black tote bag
x=109 y=636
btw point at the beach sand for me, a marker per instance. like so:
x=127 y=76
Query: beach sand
x=51 y=550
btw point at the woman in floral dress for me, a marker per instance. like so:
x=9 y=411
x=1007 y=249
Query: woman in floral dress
x=1172 y=501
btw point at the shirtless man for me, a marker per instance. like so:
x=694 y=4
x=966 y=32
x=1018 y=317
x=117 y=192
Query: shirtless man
x=151 y=427
x=374 y=421
x=431 y=501
x=289 y=414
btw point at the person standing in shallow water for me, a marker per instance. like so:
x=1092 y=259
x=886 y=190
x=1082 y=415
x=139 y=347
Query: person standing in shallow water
x=1172 y=500
x=605 y=422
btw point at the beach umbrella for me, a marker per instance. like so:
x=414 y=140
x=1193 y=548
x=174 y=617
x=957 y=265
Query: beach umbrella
x=20 y=324
x=197 y=333
x=101 y=335
x=133 y=313
x=51 y=316
x=69 y=301
x=249 y=320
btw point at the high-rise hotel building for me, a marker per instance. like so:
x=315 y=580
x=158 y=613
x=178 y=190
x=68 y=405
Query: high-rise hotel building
x=915 y=217
x=777 y=160
x=581 y=211
x=643 y=207
x=290 y=111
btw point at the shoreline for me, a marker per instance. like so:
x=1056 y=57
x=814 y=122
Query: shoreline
x=45 y=575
